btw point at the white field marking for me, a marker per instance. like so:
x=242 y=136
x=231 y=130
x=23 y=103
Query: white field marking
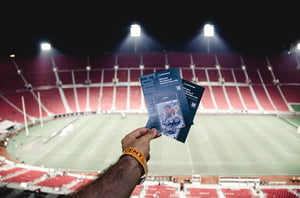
x=65 y=131
x=190 y=157
x=80 y=133
x=202 y=136
x=279 y=147
x=97 y=143
x=54 y=145
x=126 y=128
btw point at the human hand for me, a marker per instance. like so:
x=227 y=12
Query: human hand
x=140 y=138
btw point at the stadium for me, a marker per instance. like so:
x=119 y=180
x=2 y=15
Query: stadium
x=63 y=117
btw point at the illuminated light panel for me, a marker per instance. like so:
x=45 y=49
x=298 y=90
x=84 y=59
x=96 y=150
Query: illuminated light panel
x=45 y=46
x=135 y=30
x=209 y=30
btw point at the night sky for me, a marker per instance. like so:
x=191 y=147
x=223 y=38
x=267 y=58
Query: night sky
x=85 y=27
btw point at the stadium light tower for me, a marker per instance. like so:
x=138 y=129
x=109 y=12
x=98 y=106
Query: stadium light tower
x=209 y=31
x=45 y=46
x=135 y=32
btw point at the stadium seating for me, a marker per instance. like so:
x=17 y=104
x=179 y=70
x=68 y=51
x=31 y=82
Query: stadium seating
x=234 y=97
x=231 y=192
x=153 y=60
x=79 y=183
x=279 y=193
x=27 y=176
x=203 y=60
x=193 y=192
x=10 y=171
x=180 y=60
x=263 y=98
x=128 y=60
x=161 y=191
x=56 y=181
x=66 y=85
x=228 y=60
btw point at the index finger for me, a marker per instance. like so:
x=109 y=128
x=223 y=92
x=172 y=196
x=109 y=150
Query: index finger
x=139 y=132
x=152 y=133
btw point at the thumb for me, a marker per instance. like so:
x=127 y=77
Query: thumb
x=152 y=133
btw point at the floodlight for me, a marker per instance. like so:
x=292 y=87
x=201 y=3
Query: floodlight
x=45 y=46
x=209 y=30
x=135 y=30
x=298 y=46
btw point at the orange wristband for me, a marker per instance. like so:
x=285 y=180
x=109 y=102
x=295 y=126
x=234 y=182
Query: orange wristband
x=139 y=156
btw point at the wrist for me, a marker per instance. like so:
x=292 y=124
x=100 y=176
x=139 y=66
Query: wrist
x=132 y=165
x=139 y=156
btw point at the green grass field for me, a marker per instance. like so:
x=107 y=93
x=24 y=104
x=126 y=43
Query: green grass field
x=216 y=145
